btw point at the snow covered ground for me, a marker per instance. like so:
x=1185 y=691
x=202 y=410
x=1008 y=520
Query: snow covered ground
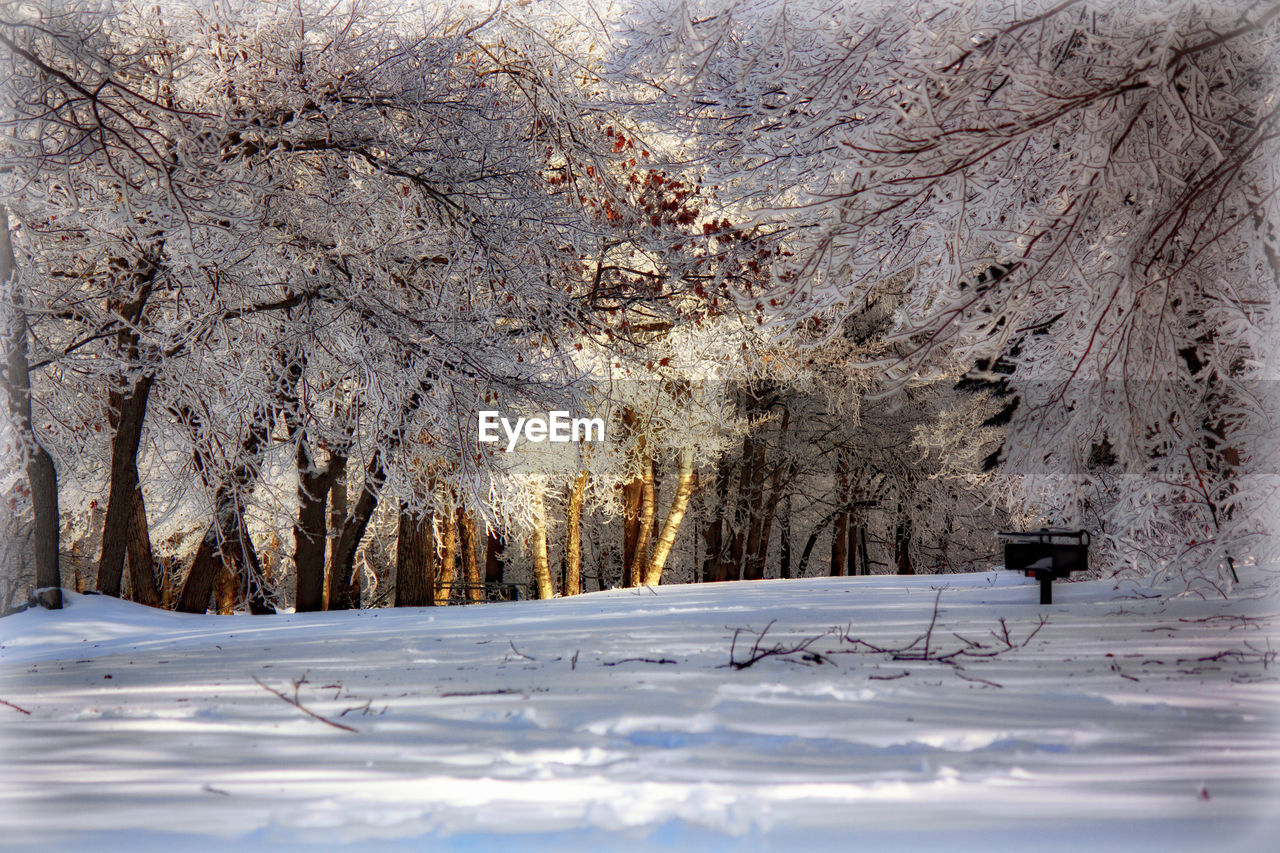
x=614 y=721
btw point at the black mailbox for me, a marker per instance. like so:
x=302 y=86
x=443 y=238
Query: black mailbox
x=1046 y=555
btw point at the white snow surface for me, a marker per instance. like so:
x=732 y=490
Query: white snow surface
x=1130 y=720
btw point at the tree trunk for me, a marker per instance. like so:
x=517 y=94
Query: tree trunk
x=741 y=512
x=446 y=541
x=541 y=569
x=227 y=520
x=573 y=537
x=632 y=503
x=466 y=525
x=344 y=585
x=194 y=597
x=337 y=515
x=124 y=491
x=644 y=537
x=42 y=476
x=309 y=530
x=840 y=545
x=753 y=556
x=784 y=538
x=225 y=544
x=631 y=495
x=760 y=554
x=225 y=585
x=686 y=482
x=127 y=412
x=902 y=545
x=840 y=535
x=142 y=571
x=776 y=486
x=43 y=480
x=415 y=561
x=494 y=545
x=713 y=565
x=813 y=540
x=851 y=549
x=255 y=579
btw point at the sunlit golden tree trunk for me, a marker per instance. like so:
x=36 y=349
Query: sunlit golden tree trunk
x=686 y=482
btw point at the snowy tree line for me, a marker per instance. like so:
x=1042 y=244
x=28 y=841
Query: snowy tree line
x=851 y=285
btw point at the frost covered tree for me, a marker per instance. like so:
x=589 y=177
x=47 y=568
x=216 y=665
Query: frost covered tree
x=22 y=443
x=327 y=228
x=1084 y=190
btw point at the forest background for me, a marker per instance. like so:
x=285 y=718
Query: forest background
x=852 y=285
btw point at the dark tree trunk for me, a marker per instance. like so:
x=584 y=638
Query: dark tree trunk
x=741 y=511
x=632 y=505
x=415 y=561
x=344 y=583
x=194 y=597
x=851 y=549
x=839 y=545
x=714 y=566
x=840 y=535
x=494 y=545
x=142 y=572
x=631 y=497
x=309 y=531
x=255 y=579
x=753 y=557
x=784 y=537
x=226 y=544
x=902 y=545
x=337 y=515
x=813 y=540
x=124 y=492
x=227 y=521
x=759 y=558
x=226 y=586
x=127 y=412
x=777 y=484
x=42 y=477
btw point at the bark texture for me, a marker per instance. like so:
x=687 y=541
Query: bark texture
x=415 y=561
x=466 y=525
x=573 y=537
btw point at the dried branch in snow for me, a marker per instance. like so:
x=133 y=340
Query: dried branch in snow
x=297 y=703
x=759 y=653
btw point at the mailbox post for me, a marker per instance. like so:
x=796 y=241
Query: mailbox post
x=1046 y=555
